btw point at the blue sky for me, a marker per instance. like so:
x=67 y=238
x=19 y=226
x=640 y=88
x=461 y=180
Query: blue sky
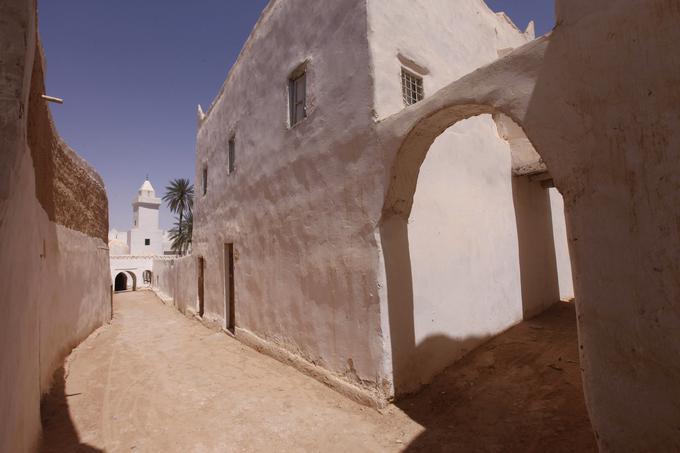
x=133 y=72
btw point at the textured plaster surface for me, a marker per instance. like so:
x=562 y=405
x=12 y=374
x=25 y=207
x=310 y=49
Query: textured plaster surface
x=564 y=272
x=612 y=150
x=69 y=190
x=472 y=277
x=302 y=205
x=53 y=260
x=445 y=39
x=176 y=282
x=463 y=246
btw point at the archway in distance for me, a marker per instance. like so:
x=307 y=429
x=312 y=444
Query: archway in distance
x=133 y=276
x=121 y=282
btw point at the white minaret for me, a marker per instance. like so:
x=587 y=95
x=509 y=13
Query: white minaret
x=145 y=237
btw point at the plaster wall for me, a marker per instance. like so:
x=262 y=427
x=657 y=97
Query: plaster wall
x=465 y=259
x=175 y=282
x=53 y=258
x=439 y=40
x=564 y=273
x=147 y=217
x=463 y=246
x=535 y=234
x=599 y=100
x=135 y=264
x=303 y=203
x=137 y=237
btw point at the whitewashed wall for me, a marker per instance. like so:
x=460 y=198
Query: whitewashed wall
x=463 y=239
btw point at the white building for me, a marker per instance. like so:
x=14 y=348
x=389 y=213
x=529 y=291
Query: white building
x=316 y=238
x=132 y=252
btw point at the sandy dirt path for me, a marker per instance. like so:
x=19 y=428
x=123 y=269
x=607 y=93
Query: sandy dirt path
x=155 y=381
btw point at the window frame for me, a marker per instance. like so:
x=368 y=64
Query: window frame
x=412 y=87
x=296 y=115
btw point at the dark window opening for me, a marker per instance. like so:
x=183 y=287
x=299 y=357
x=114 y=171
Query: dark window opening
x=147 y=241
x=205 y=180
x=297 y=90
x=232 y=154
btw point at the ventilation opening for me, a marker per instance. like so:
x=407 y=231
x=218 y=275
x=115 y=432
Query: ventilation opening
x=412 y=87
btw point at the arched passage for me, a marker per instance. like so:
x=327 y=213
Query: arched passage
x=133 y=277
x=147 y=277
x=472 y=253
x=121 y=282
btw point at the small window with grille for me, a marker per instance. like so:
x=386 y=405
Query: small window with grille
x=297 y=92
x=412 y=87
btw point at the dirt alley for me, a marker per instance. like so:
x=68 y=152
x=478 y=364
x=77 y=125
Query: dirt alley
x=156 y=381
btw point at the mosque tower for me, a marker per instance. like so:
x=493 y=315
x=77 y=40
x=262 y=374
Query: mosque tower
x=146 y=237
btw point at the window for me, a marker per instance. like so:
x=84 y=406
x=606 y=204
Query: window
x=232 y=154
x=412 y=87
x=205 y=180
x=147 y=241
x=297 y=91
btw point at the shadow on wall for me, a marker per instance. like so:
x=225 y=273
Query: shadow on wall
x=60 y=434
x=538 y=277
x=521 y=391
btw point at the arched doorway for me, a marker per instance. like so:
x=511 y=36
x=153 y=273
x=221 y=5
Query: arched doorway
x=481 y=241
x=121 y=282
x=133 y=277
x=468 y=240
x=469 y=252
x=147 y=276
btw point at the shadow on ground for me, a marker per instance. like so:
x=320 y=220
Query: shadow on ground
x=520 y=392
x=60 y=435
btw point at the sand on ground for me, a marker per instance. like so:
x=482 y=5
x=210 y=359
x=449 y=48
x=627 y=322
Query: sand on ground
x=156 y=381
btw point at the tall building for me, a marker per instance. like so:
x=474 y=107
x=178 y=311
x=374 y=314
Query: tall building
x=146 y=236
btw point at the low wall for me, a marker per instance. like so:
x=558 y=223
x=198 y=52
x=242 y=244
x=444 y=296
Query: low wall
x=176 y=282
x=53 y=256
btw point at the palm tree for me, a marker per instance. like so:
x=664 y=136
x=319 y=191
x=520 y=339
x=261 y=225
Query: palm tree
x=181 y=233
x=179 y=195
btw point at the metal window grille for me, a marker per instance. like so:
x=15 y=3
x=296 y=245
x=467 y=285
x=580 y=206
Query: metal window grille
x=232 y=154
x=412 y=88
x=297 y=89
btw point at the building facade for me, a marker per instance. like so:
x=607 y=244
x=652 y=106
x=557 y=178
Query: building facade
x=289 y=220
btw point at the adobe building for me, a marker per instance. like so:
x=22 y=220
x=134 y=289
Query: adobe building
x=289 y=207
x=132 y=252
x=54 y=262
x=367 y=242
